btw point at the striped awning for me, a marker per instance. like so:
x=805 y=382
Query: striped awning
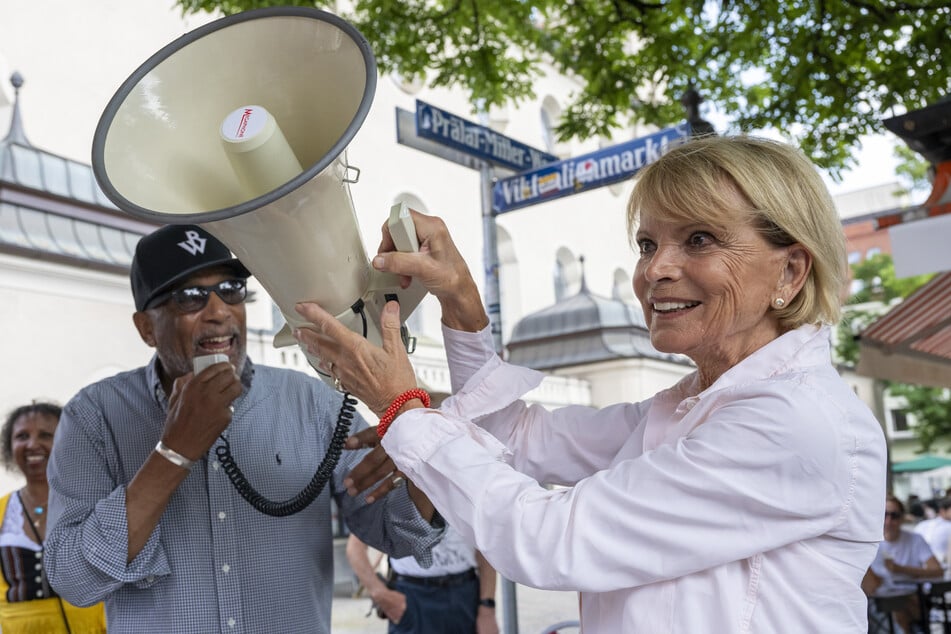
x=912 y=342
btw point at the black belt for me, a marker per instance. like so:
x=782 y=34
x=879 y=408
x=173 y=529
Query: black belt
x=441 y=581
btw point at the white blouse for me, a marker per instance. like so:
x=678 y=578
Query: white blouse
x=11 y=531
x=754 y=506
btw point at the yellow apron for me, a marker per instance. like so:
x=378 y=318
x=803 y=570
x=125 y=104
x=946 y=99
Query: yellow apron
x=44 y=616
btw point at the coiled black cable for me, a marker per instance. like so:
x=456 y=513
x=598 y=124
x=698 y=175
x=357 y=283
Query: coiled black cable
x=309 y=493
x=324 y=471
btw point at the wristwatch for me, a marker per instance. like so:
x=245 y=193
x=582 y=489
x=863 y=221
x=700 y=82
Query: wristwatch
x=489 y=603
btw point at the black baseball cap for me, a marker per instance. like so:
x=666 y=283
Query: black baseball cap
x=173 y=253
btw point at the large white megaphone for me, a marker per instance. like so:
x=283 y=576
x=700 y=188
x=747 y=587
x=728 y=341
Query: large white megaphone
x=242 y=126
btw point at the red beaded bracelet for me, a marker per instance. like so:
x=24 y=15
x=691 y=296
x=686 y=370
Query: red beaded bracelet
x=395 y=406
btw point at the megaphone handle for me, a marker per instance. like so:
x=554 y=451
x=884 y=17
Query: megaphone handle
x=402 y=229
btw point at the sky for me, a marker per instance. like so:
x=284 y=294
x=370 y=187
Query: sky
x=876 y=165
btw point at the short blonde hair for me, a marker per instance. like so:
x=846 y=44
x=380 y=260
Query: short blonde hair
x=787 y=201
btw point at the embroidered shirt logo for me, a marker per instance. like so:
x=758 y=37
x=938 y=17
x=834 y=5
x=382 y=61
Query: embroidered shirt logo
x=195 y=243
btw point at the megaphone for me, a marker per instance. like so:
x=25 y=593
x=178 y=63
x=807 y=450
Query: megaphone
x=242 y=126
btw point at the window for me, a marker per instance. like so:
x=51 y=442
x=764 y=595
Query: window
x=510 y=291
x=623 y=288
x=899 y=420
x=567 y=278
x=551 y=114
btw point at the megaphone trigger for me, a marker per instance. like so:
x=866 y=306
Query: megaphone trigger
x=402 y=229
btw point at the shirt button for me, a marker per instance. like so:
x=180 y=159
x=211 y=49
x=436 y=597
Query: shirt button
x=38 y=579
x=231 y=622
x=226 y=568
x=38 y=566
x=214 y=465
x=221 y=515
x=39 y=593
x=39 y=555
x=150 y=578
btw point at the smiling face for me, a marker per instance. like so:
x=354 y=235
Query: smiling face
x=894 y=514
x=707 y=290
x=179 y=336
x=31 y=442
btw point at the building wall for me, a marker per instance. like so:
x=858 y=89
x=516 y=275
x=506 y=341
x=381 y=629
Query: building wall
x=863 y=240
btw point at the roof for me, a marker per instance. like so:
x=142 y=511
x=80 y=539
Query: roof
x=583 y=329
x=51 y=208
x=926 y=462
x=912 y=342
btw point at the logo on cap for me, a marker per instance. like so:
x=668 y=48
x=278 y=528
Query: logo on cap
x=195 y=243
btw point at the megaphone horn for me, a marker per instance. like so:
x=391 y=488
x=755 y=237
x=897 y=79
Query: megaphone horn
x=242 y=126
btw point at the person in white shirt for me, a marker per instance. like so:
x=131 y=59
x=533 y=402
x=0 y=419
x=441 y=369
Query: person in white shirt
x=456 y=595
x=746 y=498
x=937 y=530
x=902 y=557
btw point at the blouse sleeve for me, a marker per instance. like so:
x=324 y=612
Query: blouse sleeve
x=488 y=392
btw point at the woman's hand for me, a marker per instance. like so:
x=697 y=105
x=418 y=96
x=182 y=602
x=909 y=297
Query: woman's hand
x=376 y=375
x=439 y=267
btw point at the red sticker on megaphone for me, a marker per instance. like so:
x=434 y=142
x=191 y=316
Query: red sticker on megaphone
x=244 y=123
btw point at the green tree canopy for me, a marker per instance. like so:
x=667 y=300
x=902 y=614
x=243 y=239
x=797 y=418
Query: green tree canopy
x=822 y=73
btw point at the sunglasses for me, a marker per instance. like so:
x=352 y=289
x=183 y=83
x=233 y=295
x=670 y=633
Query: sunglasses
x=895 y=515
x=191 y=299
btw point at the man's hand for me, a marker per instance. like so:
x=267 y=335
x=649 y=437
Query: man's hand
x=486 y=621
x=199 y=409
x=391 y=603
x=375 y=467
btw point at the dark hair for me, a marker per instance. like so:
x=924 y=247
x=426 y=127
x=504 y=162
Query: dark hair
x=6 y=433
x=891 y=498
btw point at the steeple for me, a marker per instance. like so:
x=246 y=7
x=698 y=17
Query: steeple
x=16 y=134
x=584 y=283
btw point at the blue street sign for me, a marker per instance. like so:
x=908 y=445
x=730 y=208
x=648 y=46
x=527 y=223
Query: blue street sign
x=477 y=140
x=585 y=172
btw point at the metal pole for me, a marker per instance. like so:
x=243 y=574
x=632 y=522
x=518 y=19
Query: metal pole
x=490 y=258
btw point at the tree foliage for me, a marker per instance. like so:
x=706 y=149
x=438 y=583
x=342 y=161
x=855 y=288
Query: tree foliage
x=913 y=170
x=931 y=408
x=821 y=73
x=877 y=289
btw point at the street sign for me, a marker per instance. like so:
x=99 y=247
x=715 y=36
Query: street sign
x=406 y=135
x=585 y=172
x=477 y=140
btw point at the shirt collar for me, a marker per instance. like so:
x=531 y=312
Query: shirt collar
x=807 y=345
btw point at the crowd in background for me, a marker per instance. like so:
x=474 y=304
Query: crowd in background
x=914 y=551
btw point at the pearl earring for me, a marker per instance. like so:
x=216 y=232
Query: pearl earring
x=779 y=302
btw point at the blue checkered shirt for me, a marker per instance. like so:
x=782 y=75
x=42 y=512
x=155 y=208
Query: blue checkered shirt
x=213 y=563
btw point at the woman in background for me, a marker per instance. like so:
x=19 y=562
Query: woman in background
x=27 y=603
